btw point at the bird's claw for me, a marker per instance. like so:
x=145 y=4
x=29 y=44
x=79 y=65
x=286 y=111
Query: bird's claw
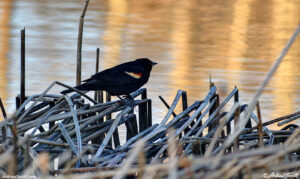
x=128 y=101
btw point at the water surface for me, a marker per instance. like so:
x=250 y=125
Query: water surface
x=235 y=42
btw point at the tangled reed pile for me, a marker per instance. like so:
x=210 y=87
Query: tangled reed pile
x=55 y=135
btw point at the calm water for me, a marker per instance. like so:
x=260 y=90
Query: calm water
x=233 y=41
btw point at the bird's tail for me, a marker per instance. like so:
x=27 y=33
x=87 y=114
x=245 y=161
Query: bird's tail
x=82 y=87
x=66 y=91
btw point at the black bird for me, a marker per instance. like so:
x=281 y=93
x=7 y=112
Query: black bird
x=122 y=79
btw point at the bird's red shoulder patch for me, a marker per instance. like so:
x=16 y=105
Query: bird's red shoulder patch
x=134 y=75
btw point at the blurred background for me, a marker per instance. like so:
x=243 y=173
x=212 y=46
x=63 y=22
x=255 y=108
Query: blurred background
x=233 y=41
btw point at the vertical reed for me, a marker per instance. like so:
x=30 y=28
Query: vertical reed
x=79 y=43
x=22 y=77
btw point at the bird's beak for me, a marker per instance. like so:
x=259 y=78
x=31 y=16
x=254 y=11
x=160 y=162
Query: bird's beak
x=154 y=63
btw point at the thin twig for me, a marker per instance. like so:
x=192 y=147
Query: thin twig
x=166 y=104
x=79 y=43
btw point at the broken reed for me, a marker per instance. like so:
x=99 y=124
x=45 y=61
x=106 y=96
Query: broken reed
x=79 y=43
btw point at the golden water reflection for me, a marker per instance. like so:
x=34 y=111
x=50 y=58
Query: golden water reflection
x=5 y=13
x=235 y=42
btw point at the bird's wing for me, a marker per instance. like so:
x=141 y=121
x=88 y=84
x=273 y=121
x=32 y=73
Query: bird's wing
x=126 y=73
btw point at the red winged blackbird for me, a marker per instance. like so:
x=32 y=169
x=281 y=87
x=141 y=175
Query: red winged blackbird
x=119 y=80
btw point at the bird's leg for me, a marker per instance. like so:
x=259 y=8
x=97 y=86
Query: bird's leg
x=126 y=100
x=128 y=97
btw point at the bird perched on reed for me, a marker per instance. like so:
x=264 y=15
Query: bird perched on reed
x=120 y=80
